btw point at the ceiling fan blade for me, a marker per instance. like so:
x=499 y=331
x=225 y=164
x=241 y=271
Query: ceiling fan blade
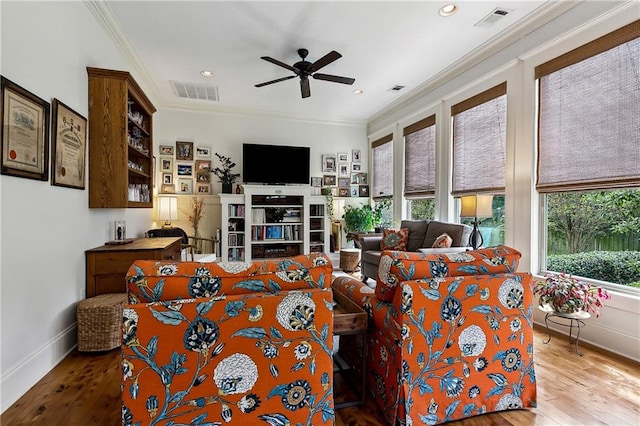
x=282 y=64
x=275 y=81
x=334 y=78
x=304 y=88
x=325 y=60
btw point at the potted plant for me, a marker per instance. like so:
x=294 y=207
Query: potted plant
x=357 y=219
x=378 y=211
x=567 y=294
x=225 y=176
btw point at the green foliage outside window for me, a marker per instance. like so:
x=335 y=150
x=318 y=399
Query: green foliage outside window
x=595 y=234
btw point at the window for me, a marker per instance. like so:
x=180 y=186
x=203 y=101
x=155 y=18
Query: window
x=382 y=179
x=479 y=143
x=479 y=140
x=422 y=208
x=420 y=167
x=589 y=156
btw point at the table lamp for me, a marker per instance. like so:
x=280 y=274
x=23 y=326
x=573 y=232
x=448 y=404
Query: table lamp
x=476 y=206
x=167 y=210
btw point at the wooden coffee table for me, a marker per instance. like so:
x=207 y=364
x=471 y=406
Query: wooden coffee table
x=350 y=319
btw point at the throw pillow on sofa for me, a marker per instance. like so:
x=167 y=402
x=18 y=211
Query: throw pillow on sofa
x=443 y=241
x=394 y=240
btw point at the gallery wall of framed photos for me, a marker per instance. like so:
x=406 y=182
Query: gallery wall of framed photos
x=185 y=169
x=342 y=174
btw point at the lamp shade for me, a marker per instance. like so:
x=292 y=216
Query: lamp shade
x=167 y=209
x=476 y=206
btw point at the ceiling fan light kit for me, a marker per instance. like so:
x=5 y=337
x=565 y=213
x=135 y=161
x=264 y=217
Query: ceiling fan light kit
x=305 y=69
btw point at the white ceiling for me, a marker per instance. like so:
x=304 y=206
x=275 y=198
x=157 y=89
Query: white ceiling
x=383 y=44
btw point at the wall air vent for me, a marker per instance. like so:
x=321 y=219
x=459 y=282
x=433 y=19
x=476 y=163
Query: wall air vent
x=493 y=17
x=195 y=91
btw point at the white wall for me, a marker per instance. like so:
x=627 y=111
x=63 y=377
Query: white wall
x=618 y=328
x=44 y=229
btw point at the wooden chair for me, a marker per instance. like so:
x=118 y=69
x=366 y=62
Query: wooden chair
x=190 y=244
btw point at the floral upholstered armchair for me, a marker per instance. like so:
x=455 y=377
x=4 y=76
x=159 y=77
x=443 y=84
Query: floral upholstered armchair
x=248 y=343
x=451 y=335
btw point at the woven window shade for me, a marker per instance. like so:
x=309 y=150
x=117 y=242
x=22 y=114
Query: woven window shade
x=420 y=158
x=589 y=117
x=382 y=154
x=479 y=140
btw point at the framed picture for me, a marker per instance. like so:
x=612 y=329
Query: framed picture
x=356 y=167
x=203 y=171
x=166 y=150
x=25 y=133
x=343 y=156
x=203 y=188
x=185 y=169
x=316 y=182
x=344 y=192
x=354 y=178
x=203 y=151
x=355 y=190
x=168 y=189
x=184 y=151
x=185 y=186
x=328 y=163
x=166 y=164
x=69 y=145
x=363 y=190
x=329 y=180
x=167 y=178
x=362 y=179
x=355 y=155
x=343 y=169
x=344 y=182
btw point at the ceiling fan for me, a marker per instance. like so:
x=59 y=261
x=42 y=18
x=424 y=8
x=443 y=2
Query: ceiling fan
x=305 y=69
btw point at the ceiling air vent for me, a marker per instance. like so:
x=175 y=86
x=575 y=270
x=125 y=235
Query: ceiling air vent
x=195 y=91
x=493 y=17
x=396 y=88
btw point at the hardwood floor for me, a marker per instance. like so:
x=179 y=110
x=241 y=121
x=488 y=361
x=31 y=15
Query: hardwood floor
x=597 y=388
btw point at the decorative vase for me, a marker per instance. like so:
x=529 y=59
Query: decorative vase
x=227 y=188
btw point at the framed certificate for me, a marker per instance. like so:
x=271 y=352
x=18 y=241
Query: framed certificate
x=69 y=145
x=25 y=133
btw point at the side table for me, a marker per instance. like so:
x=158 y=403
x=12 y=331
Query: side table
x=576 y=319
x=350 y=259
x=350 y=320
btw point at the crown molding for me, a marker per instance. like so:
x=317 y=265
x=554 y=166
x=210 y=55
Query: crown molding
x=237 y=111
x=105 y=17
x=542 y=15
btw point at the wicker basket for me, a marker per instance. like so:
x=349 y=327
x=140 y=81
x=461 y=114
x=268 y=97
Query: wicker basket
x=350 y=259
x=100 y=322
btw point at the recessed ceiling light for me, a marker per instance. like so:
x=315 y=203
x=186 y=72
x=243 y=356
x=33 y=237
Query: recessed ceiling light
x=206 y=73
x=448 y=9
x=358 y=92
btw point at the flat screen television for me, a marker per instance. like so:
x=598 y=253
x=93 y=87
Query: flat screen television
x=275 y=164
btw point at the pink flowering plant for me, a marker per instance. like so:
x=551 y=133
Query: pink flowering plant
x=568 y=294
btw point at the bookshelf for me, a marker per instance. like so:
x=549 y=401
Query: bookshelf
x=272 y=221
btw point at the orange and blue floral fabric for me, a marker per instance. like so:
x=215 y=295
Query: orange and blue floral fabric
x=153 y=281
x=397 y=266
x=245 y=359
x=449 y=347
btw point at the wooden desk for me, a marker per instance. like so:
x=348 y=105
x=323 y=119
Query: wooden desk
x=107 y=265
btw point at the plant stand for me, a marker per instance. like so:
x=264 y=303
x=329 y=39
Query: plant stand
x=576 y=319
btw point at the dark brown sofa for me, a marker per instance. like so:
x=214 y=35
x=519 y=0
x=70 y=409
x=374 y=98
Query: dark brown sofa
x=422 y=234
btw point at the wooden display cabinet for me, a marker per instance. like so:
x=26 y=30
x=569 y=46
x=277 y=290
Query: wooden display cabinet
x=120 y=141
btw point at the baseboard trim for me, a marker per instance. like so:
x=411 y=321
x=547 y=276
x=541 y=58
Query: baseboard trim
x=20 y=379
